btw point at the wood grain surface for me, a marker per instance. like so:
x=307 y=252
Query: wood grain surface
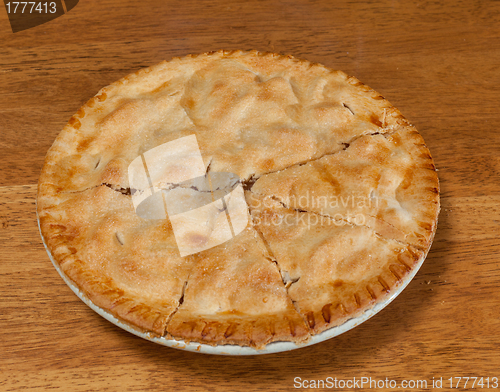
x=438 y=62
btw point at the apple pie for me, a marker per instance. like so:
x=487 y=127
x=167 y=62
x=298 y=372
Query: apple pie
x=238 y=198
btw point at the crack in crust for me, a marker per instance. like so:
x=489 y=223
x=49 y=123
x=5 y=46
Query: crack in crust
x=345 y=145
x=285 y=277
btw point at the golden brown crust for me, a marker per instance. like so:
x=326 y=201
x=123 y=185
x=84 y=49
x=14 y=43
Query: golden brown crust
x=125 y=264
x=299 y=111
x=236 y=296
x=253 y=114
x=387 y=182
x=334 y=270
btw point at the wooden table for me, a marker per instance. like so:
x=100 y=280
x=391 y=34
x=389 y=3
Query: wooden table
x=438 y=63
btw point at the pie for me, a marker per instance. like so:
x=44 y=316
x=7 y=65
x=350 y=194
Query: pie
x=337 y=194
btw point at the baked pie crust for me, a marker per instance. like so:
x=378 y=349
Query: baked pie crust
x=342 y=194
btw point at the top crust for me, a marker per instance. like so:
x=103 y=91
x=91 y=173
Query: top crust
x=384 y=181
x=273 y=110
x=291 y=127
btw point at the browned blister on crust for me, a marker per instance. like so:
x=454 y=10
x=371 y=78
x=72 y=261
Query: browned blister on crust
x=296 y=127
